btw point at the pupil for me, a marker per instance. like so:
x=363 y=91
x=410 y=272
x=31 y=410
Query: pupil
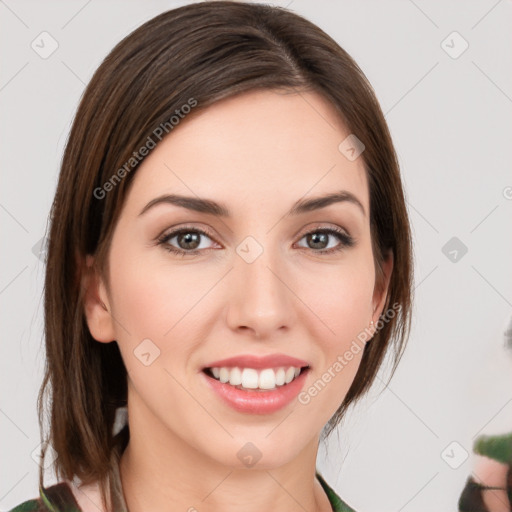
x=317 y=236
x=190 y=238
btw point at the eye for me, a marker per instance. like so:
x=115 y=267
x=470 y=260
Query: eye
x=320 y=237
x=189 y=238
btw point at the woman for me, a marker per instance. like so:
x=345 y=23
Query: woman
x=229 y=259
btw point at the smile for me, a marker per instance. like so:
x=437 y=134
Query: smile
x=253 y=399
x=253 y=379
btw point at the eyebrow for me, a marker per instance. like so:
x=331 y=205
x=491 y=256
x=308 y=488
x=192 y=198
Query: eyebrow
x=211 y=207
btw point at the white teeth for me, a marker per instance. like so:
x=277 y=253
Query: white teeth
x=224 y=374
x=290 y=374
x=267 y=379
x=280 y=375
x=235 y=377
x=251 y=378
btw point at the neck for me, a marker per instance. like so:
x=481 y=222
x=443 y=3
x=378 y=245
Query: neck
x=229 y=492
x=163 y=472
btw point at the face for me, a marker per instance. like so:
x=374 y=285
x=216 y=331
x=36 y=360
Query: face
x=258 y=281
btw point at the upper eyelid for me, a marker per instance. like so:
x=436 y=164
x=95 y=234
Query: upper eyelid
x=317 y=226
x=179 y=229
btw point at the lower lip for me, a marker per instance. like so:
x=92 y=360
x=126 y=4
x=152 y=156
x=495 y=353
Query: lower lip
x=258 y=402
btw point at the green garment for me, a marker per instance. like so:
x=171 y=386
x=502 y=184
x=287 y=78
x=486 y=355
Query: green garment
x=496 y=447
x=59 y=498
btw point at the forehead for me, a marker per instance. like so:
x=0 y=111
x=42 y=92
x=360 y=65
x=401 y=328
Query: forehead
x=262 y=146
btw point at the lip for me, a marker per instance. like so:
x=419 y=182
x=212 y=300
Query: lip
x=257 y=402
x=258 y=362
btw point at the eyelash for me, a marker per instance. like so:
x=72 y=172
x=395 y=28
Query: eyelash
x=346 y=241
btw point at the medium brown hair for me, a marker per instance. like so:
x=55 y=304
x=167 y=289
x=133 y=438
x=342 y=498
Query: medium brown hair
x=207 y=51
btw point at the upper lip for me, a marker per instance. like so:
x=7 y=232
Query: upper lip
x=250 y=361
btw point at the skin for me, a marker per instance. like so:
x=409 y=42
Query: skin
x=258 y=153
x=492 y=473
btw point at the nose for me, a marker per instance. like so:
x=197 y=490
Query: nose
x=261 y=299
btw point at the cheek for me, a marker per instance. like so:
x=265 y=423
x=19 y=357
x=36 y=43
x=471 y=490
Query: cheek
x=153 y=312
x=156 y=301
x=141 y=303
x=341 y=306
x=348 y=307
x=340 y=298
x=150 y=295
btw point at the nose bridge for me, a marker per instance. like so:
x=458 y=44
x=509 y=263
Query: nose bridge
x=261 y=301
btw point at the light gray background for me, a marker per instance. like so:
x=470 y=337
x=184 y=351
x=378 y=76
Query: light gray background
x=450 y=121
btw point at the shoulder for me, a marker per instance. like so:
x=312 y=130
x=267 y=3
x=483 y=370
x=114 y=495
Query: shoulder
x=489 y=472
x=491 y=468
x=33 y=505
x=56 y=498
